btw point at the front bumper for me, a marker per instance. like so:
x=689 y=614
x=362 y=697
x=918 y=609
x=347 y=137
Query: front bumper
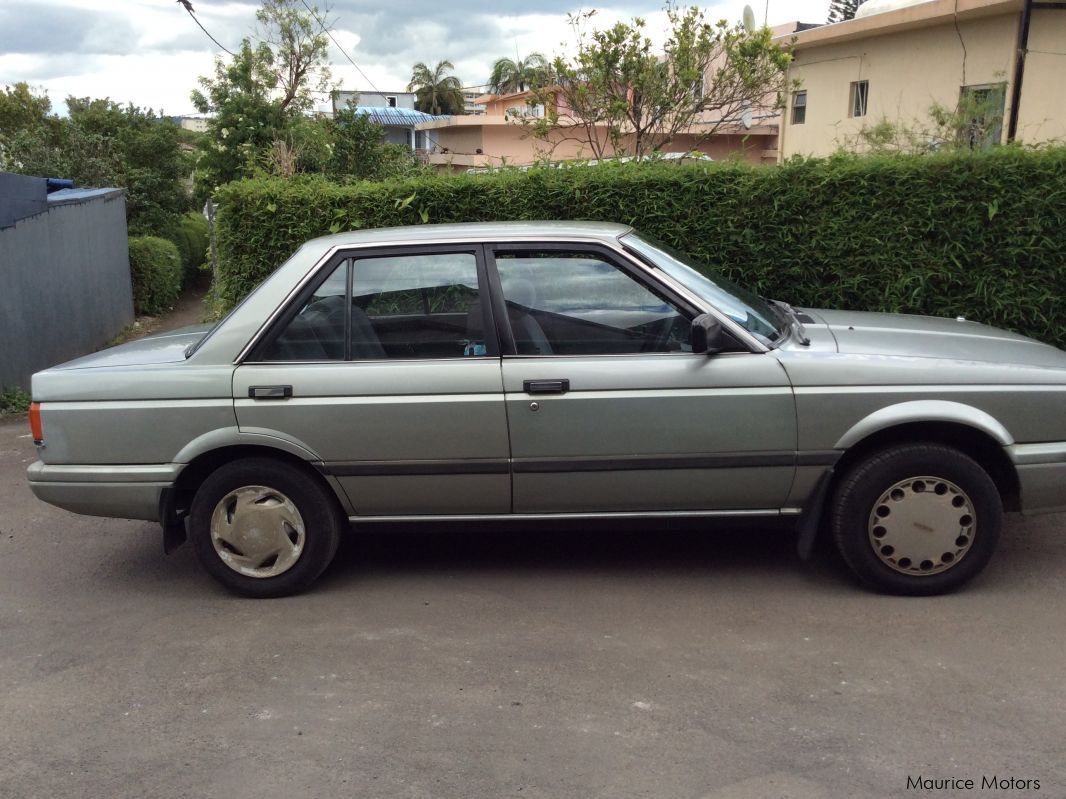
x=1041 y=472
x=122 y=492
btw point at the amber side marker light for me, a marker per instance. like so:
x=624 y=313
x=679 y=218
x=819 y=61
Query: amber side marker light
x=35 y=422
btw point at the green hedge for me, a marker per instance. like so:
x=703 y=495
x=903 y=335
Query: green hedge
x=981 y=235
x=190 y=237
x=157 y=274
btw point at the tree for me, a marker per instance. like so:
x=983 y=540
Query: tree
x=146 y=159
x=21 y=108
x=518 y=75
x=617 y=96
x=101 y=143
x=244 y=121
x=257 y=97
x=843 y=10
x=298 y=49
x=359 y=150
x=436 y=92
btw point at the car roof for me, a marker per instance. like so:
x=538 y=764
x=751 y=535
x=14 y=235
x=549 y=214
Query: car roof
x=477 y=231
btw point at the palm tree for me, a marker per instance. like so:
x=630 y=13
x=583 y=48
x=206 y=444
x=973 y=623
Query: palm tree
x=842 y=10
x=436 y=92
x=518 y=75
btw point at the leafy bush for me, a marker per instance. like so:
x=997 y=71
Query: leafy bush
x=190 y=237
x=972 y=234
x=13 y=400
x=99 y=143
x=157 y=275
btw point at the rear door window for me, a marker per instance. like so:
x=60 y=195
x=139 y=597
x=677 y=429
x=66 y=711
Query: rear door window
x=380 y=307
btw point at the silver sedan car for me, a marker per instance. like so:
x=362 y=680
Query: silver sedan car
x=553 y=370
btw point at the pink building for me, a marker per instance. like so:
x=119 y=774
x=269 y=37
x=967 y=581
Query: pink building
x=503 y=136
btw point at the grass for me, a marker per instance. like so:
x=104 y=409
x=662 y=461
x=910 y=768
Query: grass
x=122 y=336
x=13 y=400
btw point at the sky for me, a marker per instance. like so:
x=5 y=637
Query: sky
x=150 y=52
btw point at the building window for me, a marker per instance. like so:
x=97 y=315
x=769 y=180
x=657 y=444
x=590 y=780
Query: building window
x=860 y=93
x=799 y=108
x=981 y=115
x=390 y=102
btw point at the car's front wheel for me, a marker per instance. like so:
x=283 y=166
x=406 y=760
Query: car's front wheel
x=264 y=528
x=916 y=519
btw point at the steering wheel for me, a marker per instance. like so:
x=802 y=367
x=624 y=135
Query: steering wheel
x=658 y=334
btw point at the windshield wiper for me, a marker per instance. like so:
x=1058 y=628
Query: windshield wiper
x=791 y=318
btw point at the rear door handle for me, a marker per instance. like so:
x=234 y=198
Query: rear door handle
x=270 y=392
x=546 y=386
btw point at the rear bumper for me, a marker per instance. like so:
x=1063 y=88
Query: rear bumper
x=123 y=492
x=1041 y=472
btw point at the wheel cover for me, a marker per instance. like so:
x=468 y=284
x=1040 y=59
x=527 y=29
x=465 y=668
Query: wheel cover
x=922 y=526
x=257 y=531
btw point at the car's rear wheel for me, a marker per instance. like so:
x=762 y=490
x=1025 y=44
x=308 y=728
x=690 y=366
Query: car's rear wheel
x=916 y=519
x=264 y=528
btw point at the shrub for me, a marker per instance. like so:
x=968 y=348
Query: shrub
x=973 y=234
x=13 y=400
x=190 y=237
x=157 y=275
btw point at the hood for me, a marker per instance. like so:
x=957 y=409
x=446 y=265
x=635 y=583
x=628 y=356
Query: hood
x=905 y=335
x=167 y=347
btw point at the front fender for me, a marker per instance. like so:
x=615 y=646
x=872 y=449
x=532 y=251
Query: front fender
x=925 y=411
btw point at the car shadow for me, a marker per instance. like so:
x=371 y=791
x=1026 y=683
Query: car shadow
x=754 y=552
x=678 y=547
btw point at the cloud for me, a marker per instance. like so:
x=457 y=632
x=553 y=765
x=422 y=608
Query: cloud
x=151 y=53
x=58 y=29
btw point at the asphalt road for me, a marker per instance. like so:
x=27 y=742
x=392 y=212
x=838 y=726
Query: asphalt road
x=649 y=663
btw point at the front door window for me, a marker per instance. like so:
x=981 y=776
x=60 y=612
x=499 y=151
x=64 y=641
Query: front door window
x=573 y=302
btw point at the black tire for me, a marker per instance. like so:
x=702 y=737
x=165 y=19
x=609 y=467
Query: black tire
x=853 y=511
x=318 y=510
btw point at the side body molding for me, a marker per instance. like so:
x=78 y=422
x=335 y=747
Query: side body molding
x=925 y=411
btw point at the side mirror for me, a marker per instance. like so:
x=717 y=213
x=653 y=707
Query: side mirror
x=707 y=335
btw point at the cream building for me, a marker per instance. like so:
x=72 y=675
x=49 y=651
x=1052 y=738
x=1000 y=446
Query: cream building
x=898 y=58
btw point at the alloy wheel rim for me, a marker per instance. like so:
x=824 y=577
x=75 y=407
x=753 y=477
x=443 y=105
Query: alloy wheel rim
x=257 y=531
x=922 y=526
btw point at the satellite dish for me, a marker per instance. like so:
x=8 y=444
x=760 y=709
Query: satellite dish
x=746 y=119
x=749 y=18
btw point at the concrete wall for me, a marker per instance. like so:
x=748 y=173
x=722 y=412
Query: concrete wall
x=1042 y=111
x=908 y=72
x=373 y=99
x=758 y=147
x=512 y=144
x=64 y=284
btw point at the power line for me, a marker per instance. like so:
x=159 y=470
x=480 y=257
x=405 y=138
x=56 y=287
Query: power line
x=187 y=5
x=344 y=52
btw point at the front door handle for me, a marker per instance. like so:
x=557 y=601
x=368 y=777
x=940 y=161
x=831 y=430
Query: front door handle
x=546 y=386
x=270 y=392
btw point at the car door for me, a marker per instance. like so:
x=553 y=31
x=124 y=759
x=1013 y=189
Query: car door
x=382 y=367
x=608 y=408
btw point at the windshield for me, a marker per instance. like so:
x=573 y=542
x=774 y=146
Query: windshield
x=753 y=313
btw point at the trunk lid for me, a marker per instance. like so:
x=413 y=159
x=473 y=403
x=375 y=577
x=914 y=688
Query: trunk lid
x=163 y=348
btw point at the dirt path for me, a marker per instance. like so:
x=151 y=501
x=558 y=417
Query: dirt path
x=188 y=310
